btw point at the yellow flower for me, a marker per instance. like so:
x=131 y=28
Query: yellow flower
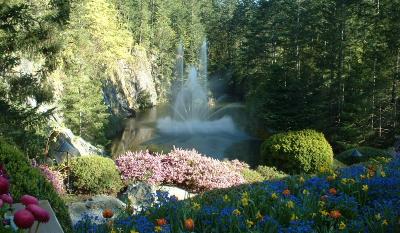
x=294 y=217
x=383 y=174
x=133 y=231
x=274 y=196
x=342 y=226
x=245 y=201
x=362 y=176
x=236 y=212
x=157 y=229
x=290 y=204
x=301 y=179
x=113 y=231
x=196 y=206
x=259 y=216
x=245 y=195
x=306 y=192
x=365 y=187
x=324 y=212
x=226 y=198
x=249 y=223
x=385 y=222
x=343 y=181
x=378 y=216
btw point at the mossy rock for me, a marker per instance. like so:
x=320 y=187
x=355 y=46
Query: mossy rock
x=304 y=151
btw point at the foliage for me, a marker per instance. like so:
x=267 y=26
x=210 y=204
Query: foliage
x=366 y=152
x=54 y=177
x=28 y=45
x=251 y=176
x=184 y=168
x=29 y=180
x=270 y=173
x=94 y=175
x=352 y=199
x=298 y=151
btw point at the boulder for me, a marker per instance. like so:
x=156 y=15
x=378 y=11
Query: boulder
x=94 y=207
x=141 y=194
x=63 y=143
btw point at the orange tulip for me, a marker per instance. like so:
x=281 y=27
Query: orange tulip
x=335 y=214
x=332 y=191
x=189 y=224
x=286 y=192
x=161 y=221
x=108 y=213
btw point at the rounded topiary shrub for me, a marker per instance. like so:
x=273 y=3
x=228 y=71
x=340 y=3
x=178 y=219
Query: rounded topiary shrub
x=298 y=151
x=94 y=175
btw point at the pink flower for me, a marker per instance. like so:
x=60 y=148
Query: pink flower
x=28 y=199
x=24 y=219
x=1 y=203
x=6 y=198
x=40 y=214
x=4 y=185
x=54 y=177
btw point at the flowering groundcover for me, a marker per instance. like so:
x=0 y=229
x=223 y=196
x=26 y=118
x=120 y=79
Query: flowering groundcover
x=354 y=199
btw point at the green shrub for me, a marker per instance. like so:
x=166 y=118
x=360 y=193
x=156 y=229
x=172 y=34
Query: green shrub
x=251 y=176
x=94 y=175
x=298 y=151
x=366 y=152
x=270 y=173
x=28 y=180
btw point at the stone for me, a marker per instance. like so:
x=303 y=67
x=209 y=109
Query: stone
x=142 y=194
x=94 y=207
x=131 y=86
x=63 y=143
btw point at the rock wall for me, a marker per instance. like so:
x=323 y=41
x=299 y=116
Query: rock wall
x=132 y=85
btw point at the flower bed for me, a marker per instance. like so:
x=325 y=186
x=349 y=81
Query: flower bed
x=184 y=168
x=354 y=199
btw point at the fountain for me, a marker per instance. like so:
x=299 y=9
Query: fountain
x=191 y=112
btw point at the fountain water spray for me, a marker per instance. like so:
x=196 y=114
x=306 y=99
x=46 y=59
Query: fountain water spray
x=191 y=112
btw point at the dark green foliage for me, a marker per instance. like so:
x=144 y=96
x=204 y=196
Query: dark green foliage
x=270 y=173
x=298 y=151
x=28 y=180
x=349 y=157
x=94 y=175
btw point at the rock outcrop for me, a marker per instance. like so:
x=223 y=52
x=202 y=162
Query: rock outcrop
x=132 y=85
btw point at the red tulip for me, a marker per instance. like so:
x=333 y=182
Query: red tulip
x=24 y=219
x=39 y=213
x=7 y=198
x=189 y=224
x=4 y=185
x=28 y=200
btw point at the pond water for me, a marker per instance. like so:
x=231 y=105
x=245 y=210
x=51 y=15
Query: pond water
x=218 y=138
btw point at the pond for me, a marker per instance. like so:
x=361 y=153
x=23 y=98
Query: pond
x=223 y=137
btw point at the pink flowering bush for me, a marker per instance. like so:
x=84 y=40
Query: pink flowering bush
x=140 y=166
x=54 y=177
x=185 y=168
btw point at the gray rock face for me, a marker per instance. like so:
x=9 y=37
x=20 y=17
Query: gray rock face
x=62 y=142
x=132 y=85
x=142 y=195
x=94 y=207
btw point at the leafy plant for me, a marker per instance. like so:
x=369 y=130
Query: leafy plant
x=298 y=151
x=361 y=154
x=94 y=175
x=270 y=173
x=29 y=180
